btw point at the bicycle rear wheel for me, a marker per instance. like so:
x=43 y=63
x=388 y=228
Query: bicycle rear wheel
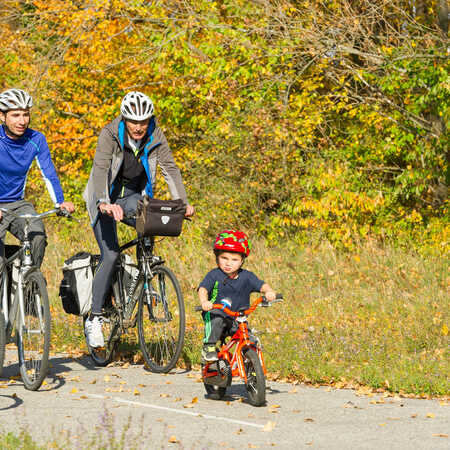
x=33 y=333
x=256 y=381
x=102 y=356
x=161 y=320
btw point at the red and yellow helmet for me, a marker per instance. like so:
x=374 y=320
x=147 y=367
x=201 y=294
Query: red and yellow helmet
x=232 y=241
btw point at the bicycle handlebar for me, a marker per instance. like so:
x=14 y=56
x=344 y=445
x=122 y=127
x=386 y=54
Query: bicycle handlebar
x=261 y=300
x=31 y=217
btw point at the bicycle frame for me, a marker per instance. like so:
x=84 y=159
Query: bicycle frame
x=145 y=264
x=240 y=340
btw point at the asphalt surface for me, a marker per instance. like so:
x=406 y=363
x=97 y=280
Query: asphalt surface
x=84 y=406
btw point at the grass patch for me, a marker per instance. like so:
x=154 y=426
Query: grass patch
x=377 y=317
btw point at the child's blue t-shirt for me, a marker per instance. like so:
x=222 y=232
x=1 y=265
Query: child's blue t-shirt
x=238 y=290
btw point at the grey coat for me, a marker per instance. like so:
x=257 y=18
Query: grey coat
x=108 y=160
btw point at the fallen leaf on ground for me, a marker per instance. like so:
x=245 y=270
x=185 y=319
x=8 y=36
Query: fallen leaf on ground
x=136 y=392
x=308 y=419
x=173 y=440
x=441 y=435
x=269 y=426
x=74 y=391
x=431 y=416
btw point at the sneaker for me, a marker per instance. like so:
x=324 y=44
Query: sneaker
x=209 y=353
x=93 y=332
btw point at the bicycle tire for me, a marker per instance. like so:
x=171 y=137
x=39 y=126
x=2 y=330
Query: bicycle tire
x=256 y=381
x=2 y=340
x=161 y=321
x=33 y=336
x=110 y=327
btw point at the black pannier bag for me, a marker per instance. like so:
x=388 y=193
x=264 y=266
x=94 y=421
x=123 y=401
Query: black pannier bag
x=75 y=289
x=159 y=217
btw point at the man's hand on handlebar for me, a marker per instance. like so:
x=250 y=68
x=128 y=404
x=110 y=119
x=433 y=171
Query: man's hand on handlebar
x=68 y=206
x=112 y=210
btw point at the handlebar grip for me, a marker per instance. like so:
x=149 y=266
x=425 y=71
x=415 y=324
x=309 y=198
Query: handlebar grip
x=63 y=213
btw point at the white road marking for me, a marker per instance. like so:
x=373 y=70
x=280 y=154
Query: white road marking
x=178 y=411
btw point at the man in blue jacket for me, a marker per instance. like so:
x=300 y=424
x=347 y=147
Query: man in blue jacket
x=19 y=147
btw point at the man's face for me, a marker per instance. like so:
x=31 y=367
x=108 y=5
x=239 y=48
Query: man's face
x=137 y=129
x=16 y=122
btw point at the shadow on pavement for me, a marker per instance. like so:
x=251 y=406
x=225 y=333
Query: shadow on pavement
x=15 y=402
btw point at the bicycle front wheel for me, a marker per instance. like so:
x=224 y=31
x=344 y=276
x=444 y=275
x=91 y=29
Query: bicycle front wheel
x=256 y=381
x=33 y=330
x=161 y=320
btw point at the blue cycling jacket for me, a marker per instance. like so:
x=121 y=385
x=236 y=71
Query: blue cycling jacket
x=16 y=157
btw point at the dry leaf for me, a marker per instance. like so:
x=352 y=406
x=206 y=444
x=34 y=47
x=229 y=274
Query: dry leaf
x=431 y=416
x=308 y=419
x=107 y=379
x=173 y=440
x=136 y=392
x=74 y=391
x=441 y=435
x=194 y=400
x=269 y=426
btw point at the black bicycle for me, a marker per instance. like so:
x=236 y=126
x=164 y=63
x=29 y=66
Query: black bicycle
x=153 y=300
x=25 y=315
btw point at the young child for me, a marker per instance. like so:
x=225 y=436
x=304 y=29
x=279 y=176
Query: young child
x=228 y=281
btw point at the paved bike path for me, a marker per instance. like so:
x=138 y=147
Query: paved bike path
x=171 y=411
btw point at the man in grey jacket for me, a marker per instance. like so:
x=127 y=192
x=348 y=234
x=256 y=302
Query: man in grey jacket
x=129 y=149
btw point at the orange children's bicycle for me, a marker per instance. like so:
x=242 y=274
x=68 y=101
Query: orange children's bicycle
x=241 y=356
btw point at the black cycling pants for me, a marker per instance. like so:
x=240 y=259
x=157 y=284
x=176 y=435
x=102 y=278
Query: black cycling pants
x=105 y=231
x=36 y=232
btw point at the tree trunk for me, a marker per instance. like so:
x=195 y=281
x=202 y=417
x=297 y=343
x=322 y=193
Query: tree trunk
x=443 y=16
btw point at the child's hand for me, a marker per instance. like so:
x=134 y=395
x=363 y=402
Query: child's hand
x=270 y=296
x=207 y=306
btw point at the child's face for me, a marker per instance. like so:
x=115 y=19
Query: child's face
x=229 y=263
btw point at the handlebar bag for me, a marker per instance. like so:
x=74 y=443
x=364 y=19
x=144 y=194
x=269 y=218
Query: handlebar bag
x=159 y=217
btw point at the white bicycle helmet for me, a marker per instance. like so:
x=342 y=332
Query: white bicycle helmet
x=136 y=106
x=15 y=99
